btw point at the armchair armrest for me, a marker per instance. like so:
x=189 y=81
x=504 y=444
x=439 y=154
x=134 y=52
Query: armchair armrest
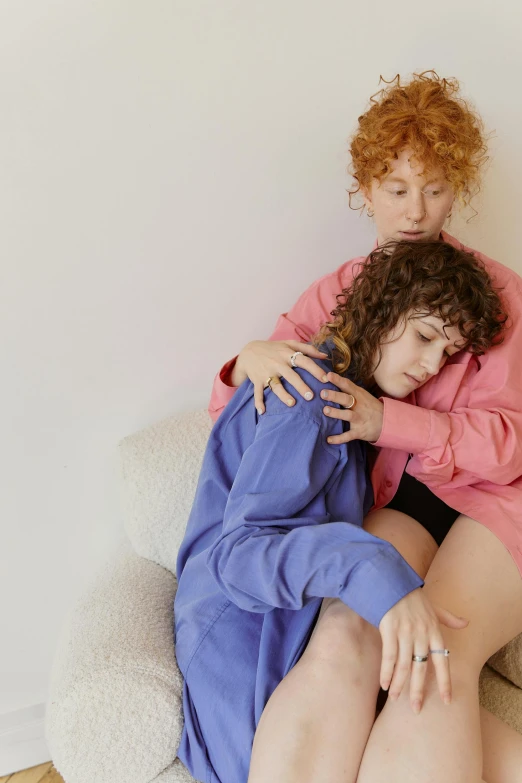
x=114 y=709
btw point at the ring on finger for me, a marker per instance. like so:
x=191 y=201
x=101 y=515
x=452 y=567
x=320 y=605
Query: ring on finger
x=352 y=404
x=420 y=658
x=293 y=358
x=273 y=381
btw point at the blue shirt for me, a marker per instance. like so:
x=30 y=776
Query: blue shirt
x=276 y=526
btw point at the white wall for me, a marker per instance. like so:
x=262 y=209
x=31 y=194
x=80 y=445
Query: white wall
x=172 y=176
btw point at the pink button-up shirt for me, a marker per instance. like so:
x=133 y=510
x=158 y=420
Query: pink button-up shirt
x=463 y=428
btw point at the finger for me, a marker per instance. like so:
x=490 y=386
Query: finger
x=442 y=668
x=344 y=437
x=389 y=659
x=279 y=390
x=418 y=673
x=311 y=366
x=341 y=398
x=402 y=667
x=338 y=413
x=307 y=349
x=449 y=619
x=259 y=398
x=343 y=383
x=295 y=380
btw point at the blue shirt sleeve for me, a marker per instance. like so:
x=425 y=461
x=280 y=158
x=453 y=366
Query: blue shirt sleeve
x=275 y=549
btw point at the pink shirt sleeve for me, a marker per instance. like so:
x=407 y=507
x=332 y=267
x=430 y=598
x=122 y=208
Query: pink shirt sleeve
x=305 y=318
x=478 y=440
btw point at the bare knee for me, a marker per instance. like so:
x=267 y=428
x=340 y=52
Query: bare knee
x=408 y=537
x=342 y=636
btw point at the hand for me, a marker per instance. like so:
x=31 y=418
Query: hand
x=365 y=417
x=411 y=627
x=261 y=359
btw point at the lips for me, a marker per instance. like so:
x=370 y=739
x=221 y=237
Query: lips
x=412 y=379
x=411 y=234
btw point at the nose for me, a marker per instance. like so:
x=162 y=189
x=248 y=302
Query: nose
x=416 y=208
x=432 y=362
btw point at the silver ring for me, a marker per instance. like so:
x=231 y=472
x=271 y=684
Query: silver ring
x=420 y=658
x=440 y=652
x=292 y=358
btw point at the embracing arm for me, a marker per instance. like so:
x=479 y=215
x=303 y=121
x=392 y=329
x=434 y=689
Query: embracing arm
x=480 y=440
x=461 y=447
x=279 y=548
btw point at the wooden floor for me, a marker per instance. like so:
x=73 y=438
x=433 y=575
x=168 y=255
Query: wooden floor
x=43 y=773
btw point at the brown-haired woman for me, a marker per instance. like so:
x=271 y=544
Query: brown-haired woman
x=276 y=525
x=417 y=150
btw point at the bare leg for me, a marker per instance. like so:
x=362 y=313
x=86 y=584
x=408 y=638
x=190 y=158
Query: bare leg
x=317 y=721
x=302 y=733
x=474 y=576
x=501 y=745
x=501 y=750
x=315 y=726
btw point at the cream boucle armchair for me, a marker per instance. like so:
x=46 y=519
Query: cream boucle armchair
x=114 y=710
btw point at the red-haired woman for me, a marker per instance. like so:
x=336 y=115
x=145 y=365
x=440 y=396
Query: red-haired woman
x=447 y=472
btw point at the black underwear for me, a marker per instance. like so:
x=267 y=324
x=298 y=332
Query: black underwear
x=415 y=499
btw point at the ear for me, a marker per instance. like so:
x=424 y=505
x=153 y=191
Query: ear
x=450 y=210
x=365 y=193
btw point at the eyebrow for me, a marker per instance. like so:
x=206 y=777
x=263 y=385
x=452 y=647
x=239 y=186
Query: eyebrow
x=403 y=181
x=436 y=329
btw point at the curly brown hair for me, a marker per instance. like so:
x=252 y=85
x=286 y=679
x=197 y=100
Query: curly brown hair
x=401 y=278
x=427 y=116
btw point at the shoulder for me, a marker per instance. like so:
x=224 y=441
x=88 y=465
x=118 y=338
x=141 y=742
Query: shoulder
x=310 y=411
x=333 y=283
x=501 y=276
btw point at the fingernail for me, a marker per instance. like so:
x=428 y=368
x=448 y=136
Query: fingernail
x=329 y=440
x=324 y=395
x=447 y=699
x=290 y=402
x=259 y=411
x=394 y=696
x=324 y=379
x=326 y=410
x=385 y=686
x=309 y=396
x=416 y=707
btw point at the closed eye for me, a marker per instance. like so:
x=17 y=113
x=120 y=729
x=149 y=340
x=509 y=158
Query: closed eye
x=428 y=340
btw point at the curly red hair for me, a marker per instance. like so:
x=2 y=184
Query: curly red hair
x=427 y=116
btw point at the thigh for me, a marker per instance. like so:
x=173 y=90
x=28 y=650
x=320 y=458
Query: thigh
x=412 y=541
x=474 y=576
x=338 y=627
